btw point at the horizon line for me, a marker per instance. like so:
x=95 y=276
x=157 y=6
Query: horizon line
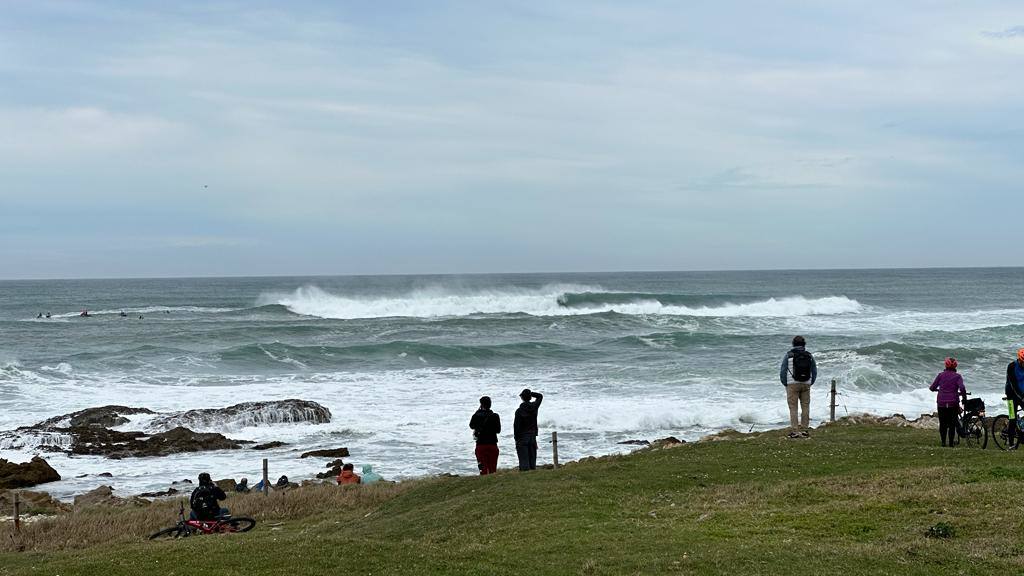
x=531 y=273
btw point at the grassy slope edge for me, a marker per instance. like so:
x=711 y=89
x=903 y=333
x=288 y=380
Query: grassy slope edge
x=852 y=499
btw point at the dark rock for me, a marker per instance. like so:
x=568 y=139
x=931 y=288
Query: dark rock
x=102 y=417
x=100 y=495
x=269 y=445
x=183 y=481
x=249 y=414
x=665 y=442
x=104 y=496
x=227 y=484
x=333 y=469
x=105 y=475
x=330 y=453
x=31 y=473
x=168 y=492
x=636 y=442
x=114 y=444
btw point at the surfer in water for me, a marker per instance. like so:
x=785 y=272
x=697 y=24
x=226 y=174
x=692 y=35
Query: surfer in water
x=85 y=314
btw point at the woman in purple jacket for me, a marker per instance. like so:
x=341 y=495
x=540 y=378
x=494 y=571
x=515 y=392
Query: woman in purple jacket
x=950 y=387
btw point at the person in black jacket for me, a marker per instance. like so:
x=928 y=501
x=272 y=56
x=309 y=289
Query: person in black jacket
x=1014 y=392
x=205 y=498
x=525 y=429
x=486 y=426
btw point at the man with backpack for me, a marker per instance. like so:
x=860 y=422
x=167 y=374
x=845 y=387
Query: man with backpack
x=798 y=373
x=205 y=500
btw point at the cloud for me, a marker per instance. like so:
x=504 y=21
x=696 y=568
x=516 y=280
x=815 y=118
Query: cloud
x=1013 y=32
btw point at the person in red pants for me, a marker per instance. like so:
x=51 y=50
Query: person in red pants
x=486 y=426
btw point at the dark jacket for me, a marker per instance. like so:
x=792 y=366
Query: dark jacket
x=1012 y=390
x=787 y=361
x=204 y=501
x=486 y=426
x=526 y=417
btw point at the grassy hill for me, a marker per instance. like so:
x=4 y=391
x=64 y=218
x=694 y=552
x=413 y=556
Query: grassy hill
x=851 y=499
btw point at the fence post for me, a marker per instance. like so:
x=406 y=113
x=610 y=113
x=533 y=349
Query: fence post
x=17 y=512
x=832 y=402
x=554 y=447
x=266 y=478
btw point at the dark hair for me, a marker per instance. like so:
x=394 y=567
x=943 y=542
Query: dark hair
x=348 y=467
x=204 y=479
x=526 y=394
x=799 y=341
x=485 y=402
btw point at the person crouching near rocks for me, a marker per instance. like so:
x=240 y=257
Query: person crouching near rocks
x=950 y=387
x=348 y=475
x=486 y=426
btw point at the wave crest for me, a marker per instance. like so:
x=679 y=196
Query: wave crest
x=555 y=300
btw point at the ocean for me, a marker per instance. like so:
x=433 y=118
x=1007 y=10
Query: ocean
x=401 y=360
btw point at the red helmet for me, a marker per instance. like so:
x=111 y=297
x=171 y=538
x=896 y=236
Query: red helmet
x=950 y=363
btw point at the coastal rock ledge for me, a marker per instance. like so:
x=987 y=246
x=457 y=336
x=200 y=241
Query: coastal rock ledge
x=31 y=473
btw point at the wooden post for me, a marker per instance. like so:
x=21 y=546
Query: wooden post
x=554 y=447
x=832 y=402
x=17 y=512
x=266 y=478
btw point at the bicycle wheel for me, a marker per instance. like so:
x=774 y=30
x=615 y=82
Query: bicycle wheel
x=172 y=532
x=975 y=434
x=1000 y=432
x=239 y=524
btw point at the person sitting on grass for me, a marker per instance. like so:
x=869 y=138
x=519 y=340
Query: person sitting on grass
x=369 y=476
x=348 y=475
x=205 y=500
x=242 y=486
x=950 y=388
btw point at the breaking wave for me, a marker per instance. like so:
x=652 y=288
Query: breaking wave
x=555 y=300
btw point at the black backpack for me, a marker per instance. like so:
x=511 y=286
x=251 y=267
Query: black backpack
x=802 y=362
x=204 y=503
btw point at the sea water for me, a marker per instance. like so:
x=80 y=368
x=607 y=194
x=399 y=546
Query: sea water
x=401 y=360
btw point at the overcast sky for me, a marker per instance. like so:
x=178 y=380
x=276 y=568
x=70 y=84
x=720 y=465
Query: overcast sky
x=223 y=138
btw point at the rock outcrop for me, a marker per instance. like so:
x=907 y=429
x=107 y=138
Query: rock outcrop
x=104 y=496
x=114 y=444
x=101 y=416
x=32 y=503
x=248 y=414
x=329 y=453
x=34 y=472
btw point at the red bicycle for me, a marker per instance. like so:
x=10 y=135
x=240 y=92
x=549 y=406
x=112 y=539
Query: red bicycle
x=221 y=525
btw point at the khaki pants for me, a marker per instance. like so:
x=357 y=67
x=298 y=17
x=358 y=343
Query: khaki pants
x=799 y=391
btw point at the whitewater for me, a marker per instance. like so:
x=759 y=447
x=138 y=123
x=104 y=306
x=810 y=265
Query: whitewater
x=400 y=361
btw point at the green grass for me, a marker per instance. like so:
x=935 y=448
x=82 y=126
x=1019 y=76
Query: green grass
x=851 y=500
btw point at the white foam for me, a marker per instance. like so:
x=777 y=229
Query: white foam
x=149 y=310
x=443 y=302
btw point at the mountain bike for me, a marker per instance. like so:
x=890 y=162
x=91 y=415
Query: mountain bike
x=223 y=524
x=971 y=424
x=1001 y=428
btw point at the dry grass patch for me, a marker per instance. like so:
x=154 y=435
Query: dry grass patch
x=100 y=524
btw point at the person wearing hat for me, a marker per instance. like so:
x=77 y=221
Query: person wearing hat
x=950 y=388
x=524 y=428
x=1014 y=396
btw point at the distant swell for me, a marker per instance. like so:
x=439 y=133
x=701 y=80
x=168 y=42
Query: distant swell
x=549 y=301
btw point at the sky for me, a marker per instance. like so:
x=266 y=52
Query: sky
x=279 y=138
